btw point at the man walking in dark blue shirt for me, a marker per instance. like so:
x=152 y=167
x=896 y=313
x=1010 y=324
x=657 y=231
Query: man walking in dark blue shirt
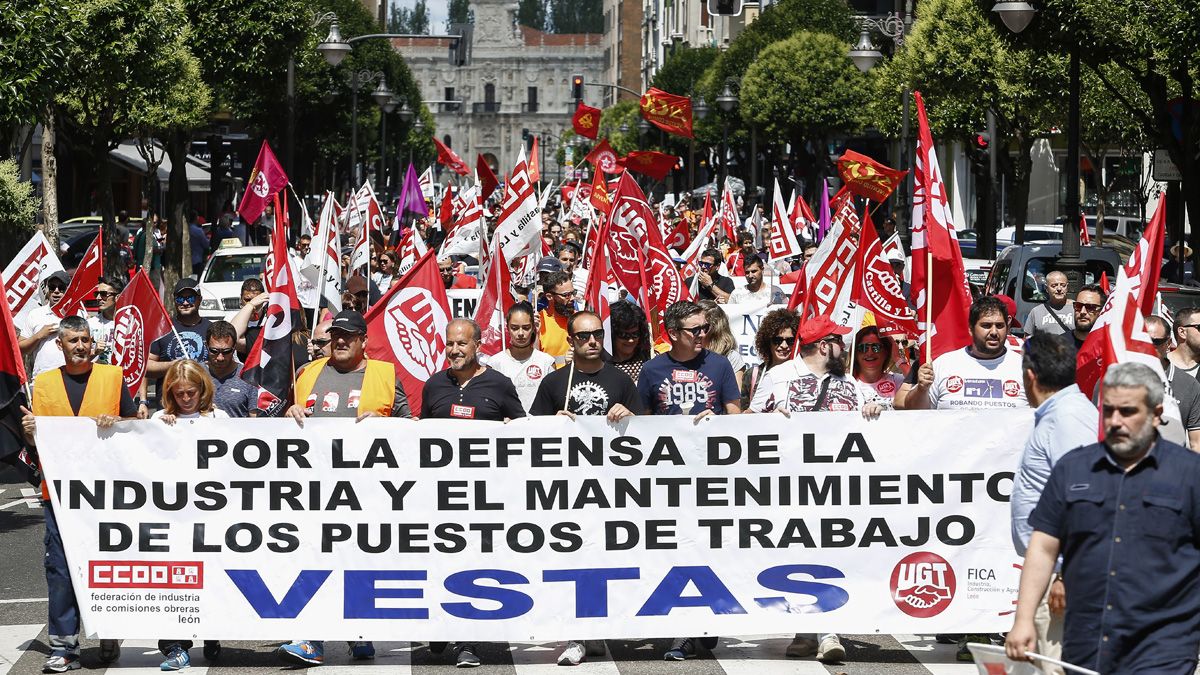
x=1125 y=515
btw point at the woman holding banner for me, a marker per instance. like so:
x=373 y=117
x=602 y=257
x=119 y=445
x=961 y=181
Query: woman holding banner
x=873 y=354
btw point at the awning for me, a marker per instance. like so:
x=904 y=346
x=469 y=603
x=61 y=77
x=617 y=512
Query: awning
x=127 y=155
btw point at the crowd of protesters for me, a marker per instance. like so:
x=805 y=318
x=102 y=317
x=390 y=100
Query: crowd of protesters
x=556 y=363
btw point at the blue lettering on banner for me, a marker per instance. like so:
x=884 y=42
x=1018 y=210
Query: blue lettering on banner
x=591 y=587
x=983 y=388
x=829 y=597
x=294 y=601
x=512 y=603
x=669 y=594
x=361 y=593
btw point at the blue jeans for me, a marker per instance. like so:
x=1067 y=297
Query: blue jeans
x=64 y=612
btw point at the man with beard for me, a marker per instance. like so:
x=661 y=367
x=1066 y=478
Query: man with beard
x=186 y=341
x=814 y=382
x=552 y=321
x=521 y=363
x=985 y=374
x=1186 y=356
x=78 y=388
x=1181 y=404
x=589 y=386
x=1123 y=515
x=1088 y=303
x=102 y=324
x=1054 y=316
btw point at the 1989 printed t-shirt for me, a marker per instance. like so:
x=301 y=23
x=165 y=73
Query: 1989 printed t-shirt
x=670 y=387
x=961 y=381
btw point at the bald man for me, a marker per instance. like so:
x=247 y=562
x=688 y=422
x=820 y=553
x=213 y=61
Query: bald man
x=469 y=389
x=1054 y=316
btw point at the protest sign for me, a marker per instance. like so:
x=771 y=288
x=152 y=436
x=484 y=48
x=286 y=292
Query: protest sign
x=744 y=321
x=539 y=529
x=463 y=301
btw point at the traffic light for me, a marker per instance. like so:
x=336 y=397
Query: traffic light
x=983 y=141
x=724 y=7
x=577 y=87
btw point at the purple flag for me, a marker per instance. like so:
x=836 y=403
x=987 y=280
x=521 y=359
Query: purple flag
x=411 y=198
x=823 y=218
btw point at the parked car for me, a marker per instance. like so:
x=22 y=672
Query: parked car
x=1035 y=234
x=1129 y=227
x=221 y=280
x=1020 y=272
x=1176 y=297
x=73 y=245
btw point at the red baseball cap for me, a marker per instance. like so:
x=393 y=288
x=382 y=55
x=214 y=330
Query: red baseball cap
x=1011 y=306
x=817 y=328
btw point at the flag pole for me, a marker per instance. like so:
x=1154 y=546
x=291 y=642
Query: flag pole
x=567 y=394
x=928 y=304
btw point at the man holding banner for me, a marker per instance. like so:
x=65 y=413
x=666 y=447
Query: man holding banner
x=38 y=332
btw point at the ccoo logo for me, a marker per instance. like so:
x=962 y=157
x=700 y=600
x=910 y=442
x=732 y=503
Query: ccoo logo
x=923 y=584
x=128 y=347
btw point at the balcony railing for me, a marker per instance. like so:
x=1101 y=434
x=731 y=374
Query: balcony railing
x=486 y=107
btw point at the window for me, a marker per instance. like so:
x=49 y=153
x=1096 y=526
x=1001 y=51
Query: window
x=1033 y=285
x=449 y=94
x=489 y=93
x=531 y=98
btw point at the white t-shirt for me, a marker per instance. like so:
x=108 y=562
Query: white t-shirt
x=102 y=329
x=46 y=355
x=963 y=382
x=882 y=391
x=216 y=414
x=525 y=375
x=791 y=386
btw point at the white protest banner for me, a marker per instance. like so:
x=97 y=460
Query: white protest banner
x=539 y=529
x=743 y=321
x=25 y=271
x=463 y=301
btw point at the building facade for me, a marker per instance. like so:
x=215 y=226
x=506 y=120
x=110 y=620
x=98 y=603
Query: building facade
x=622 y=42
x=668 y=25
x=516 y=84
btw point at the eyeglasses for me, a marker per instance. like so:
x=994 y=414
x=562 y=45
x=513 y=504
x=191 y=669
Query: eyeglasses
x=585 y=335
x=1086 y=306
x=55 y=288
x=321 y=342
x=1188 y=325
x=220 y=352
x=780 y=340
x=1159 y=342
x=105 y=294
x=568 y=295
x=697 y=331
x=188 y=299
x=628 y=336
x=873 y=347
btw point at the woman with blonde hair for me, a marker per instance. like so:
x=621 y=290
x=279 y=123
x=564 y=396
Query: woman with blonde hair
x=187 y=393
x=720 y=338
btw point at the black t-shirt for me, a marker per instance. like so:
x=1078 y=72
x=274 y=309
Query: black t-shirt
x=722 y=282
x=487 y=396
x=167 y=347
x=591 y=393
x=77 y=384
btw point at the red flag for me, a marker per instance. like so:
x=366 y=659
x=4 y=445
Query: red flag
x=595 y=292
x=679 y=236
x=139 y=319
x=598 y=193
x=12 y=376
x=408 y=327
x=867 y=178
x=650 y=163
x=410 y=249
x=603 y=158
x=269 y=365
x=266 y=180
x=450 y=159
x=728 y=214
x=446 y=210
x=704 y=234
x=933 y=239
x=670 y=112
x=1104 y=286
x=535 y=172
x=878 y=290
x=803 y=222
x=494 y=304
x=85 y=279
x=828 y=275
x=371 y=216
x=1084 y=238
x=586 y=121
x=487 y=178
x=785 y=242
x=632 y=225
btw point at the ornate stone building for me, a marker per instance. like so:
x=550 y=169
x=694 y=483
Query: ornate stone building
x=517 y=79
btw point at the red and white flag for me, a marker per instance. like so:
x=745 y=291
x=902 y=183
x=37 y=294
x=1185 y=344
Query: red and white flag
x=519 y=229
x=266 y=180
x=450 y=159
x=933 y=235
x=410 y=249
x=465 y=233
x=595 y=292
x=878 y=290
x=323 y=266
x=24 y=273
x=269 y=364
x=139 y=319
x=1119 y=333
x=494 y=303
x=370 y=215
x=1084 y=237
x=632 y=225
x=535 y=171
x=704 y=237
x=603 y=157
x=784 y=241
x=728 y=214
x=407 y=327
x=829 y=275
x=803 y=221
x=86 y=277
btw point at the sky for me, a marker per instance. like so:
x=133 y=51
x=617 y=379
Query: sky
x=437 y=12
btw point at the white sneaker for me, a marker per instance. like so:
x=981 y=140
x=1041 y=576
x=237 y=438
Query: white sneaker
x=831 y=650
x=801 y=647
x=573 y=655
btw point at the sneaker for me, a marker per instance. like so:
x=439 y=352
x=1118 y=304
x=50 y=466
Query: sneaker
x=178 y=659
x=110 y=650
x=437 y=647
x=964 y=654
x=681 y=649
x=466 y=657
x=573 y=655
x=831 y=650
x=61 y=663
x=212 y=650
x=302 y=653
x=362 y=651
x=947 y=638
x=801 y=647
x=594 y=647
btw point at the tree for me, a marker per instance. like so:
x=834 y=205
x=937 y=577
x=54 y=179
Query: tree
x=1107 y=130
x=457 y=11
x=683 y=69
x=405 y=20
x=804 y=90
x=18 y=208
x=532 y=13
x=576 y=16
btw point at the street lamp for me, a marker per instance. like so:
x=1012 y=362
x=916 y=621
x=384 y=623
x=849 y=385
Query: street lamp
x=865 y=54
x=1015 y=15
x=727 y=101
x=334 y=48
x=357 y=78
x=387 y=105
x=406 y=113
x=700 y=110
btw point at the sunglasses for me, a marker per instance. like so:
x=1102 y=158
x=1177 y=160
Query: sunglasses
x=189 y=299
x=55 y=288
x=628 y=336
x=1159 y=342
x=697 y=331
x=1086 y=306
x=704 y=265
x=321 y=342
x=873 y=347
x=779 y=341
x=104 y=294
x=220 y=352
x=1188 y=325
x=567 y=295
x=585 y=335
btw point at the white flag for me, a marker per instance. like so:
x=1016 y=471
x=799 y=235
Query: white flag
x=519 y=229
x=25 y=272
x=325 y=256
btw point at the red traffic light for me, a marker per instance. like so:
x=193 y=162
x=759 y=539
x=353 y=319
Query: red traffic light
x=982 y=141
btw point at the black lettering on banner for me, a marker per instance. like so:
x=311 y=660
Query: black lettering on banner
x=128 y=495
x=881 y=484
x=511 y=446
x=536 y=537
x=450 y=538
x=920 y=537
x=540 y=497
x=472 y=453
x=943 y=530
x=207 y=449
x=566 y=537
x=429 y=460
x=148 y=533
x=451 y=495
x=621 y=535
x=993 y=486
x=337 y=460
x=364 y=537
x=381 y=454
x=343 y=495
x=757 y=447
x=412 y=538
x=716 y=528
x=333 y=533
x=159 y=497
x=231 y=537
x=660 y=535
x=115 y=537
x=966 y=483
x=628 y=449
x=397 y=492
x=487 y=533
x=665 y=450
x=731 y=446
x=285 y=491
x=199 y=545
x=283 y=538
x=211 y=496
x=79 y=491
x=291 y=452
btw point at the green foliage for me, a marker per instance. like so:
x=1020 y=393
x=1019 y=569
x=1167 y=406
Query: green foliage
x=684 y=68
x=576 y=16
x=627 y=114
x=533 y=13
x=406 y=20
x=457 y=11
x=36 y=37
x=18 y=208
x=804 y=87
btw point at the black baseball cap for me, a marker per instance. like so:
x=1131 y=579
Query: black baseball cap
x=186 y=284
x=59 y=276
x=349 y=321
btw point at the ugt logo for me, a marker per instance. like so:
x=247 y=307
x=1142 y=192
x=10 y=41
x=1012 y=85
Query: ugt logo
x=923 y=584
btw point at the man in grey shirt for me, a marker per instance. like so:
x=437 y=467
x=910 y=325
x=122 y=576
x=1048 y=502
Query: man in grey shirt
x=1180 y=385
x=1054 y=316
x=233 y=395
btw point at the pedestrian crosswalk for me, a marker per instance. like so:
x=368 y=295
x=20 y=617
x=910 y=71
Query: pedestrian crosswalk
x=23 y=648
